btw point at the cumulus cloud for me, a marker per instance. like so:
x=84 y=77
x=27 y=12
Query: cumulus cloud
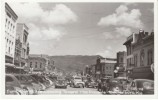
x=123 y=17
x=123 y=31
x=43 y=33
x=60 y=14
x=43 y=23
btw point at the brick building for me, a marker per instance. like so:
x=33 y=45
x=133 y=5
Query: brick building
x=140 y=54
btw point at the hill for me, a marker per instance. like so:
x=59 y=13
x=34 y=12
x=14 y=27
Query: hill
x=71 y=63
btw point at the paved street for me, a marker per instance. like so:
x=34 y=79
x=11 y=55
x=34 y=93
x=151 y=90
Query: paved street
x=70 y=91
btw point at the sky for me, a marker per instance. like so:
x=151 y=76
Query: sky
x=82 y=28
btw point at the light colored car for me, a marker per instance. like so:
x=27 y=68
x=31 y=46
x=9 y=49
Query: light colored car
x=77 y=82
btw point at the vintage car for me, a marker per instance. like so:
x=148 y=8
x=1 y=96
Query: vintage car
x=26 y=83
x=91 y=83
x=115 y=87
x=77 y=82
x=142 y=86
x=61 y=83
x=13 y=86
x=45 y=83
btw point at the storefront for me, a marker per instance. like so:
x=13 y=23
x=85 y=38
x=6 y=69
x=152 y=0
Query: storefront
x=141 y=73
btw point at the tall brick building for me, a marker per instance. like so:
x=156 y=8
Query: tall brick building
x=140 y=54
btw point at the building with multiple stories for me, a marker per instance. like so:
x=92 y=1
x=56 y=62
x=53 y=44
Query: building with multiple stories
x=105 y=68
x=10 y=34
x=22 y=38
x=36 y=64
x=140 y=54
x=121 y=64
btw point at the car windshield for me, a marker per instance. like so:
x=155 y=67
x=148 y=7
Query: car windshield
x=60 y=81
x=145 y=84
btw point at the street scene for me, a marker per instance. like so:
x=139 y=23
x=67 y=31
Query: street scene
x=79 y=48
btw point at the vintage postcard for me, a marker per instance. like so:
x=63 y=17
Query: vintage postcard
x=70 y=48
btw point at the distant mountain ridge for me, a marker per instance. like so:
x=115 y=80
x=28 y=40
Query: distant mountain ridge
x=70 y=63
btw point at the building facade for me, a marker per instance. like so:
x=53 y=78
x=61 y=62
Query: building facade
x=36 y=64
x=140 y=54
x=22 y=38
x=10 y=34
x=121 y=64
x=105 y=68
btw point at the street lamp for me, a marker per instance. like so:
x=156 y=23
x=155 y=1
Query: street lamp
x=115 y=71
x=117 y=68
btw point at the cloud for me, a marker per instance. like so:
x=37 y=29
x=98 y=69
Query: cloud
x=108 y=35
x=43 y=33
x=123 y=17
x=123 y=31
x=60 y=14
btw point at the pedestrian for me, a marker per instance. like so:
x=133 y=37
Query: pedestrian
x=99 y=85
x=107 y=86
x=104 y=87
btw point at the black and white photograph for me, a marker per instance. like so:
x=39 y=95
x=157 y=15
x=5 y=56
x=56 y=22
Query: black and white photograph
x=79 y=48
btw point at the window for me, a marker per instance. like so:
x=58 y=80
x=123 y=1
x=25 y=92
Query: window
x=36 y=65
x=142 y=55
x=30 y=64
x=135 y=60
x=150 y=56
x=121 y=59
x=40 y=65
x=9 y=50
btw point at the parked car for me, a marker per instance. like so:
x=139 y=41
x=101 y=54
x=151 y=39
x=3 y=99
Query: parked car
x=61 y=83
x=13 y=86
x=77 y=82
x=26 y=83
x=91 y=83
x=142 y=86
x=44 y=83
x=115 y=86
x=34 y=82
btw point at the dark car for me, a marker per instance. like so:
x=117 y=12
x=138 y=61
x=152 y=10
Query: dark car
x=91 y=83
x=61 y=83
x=142 y=86
x=26 y=83
x=41 y=79
x=115 y=86
x=13 y=86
